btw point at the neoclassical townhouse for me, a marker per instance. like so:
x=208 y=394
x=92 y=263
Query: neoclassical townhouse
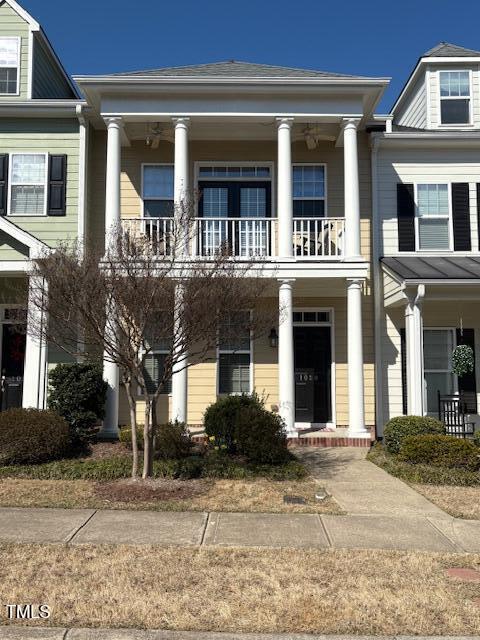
x=364 y=222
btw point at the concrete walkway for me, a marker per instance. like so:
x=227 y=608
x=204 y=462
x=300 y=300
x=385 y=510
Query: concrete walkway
x=382 y=513
x=25 y=633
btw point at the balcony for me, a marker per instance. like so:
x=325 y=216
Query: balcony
x=312 y=238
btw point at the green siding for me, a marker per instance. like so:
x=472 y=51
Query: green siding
x=11 y=249
x=48 y=80
x=11 y=24
x=46 y=136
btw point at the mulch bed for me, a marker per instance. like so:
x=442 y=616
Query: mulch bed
x=137 y=490
x=102 y=450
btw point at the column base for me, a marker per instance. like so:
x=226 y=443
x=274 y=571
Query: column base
x=107 y=436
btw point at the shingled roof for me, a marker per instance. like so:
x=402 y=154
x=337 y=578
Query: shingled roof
x=233 y=69
x=447 y=50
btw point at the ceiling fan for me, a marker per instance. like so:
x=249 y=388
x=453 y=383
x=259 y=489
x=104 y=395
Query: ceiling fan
x=155 y=133
x=313 y=135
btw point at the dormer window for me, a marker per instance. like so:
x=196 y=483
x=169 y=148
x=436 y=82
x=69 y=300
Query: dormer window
x=9 y=63
x=455 y=95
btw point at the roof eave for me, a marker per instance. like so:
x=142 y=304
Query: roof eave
x=109 y=80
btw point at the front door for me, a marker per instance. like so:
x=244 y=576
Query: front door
x=13 y=359
x=313 y=363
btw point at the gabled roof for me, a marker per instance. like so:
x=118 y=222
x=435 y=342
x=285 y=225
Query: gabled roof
x=447 y=50
x=232 y=69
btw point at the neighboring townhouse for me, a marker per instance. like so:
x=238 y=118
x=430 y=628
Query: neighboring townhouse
x=42 y=179
x=426 y=203
x=281 y=160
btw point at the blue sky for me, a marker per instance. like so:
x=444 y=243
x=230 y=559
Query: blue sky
x=364 y=38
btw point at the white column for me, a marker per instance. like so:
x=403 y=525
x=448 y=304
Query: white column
x=286 y=371
x=35 y=368
x=284 y=188
x=112 y=220
x=356 y=403
x=414 y=352
x=180 y=372
x=181 y=188
x=351 y=189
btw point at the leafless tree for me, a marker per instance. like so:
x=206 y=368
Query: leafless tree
x=141 y=292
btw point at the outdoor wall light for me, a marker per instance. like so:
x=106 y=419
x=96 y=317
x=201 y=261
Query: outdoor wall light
x=273 y=337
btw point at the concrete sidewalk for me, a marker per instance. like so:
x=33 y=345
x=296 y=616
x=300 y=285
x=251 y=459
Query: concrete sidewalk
x=25 y=633
x=77 y=527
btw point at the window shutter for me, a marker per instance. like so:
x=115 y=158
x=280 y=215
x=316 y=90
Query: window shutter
x=3 y=184
x=461 y=216
x=467 y=384
x=403 y=355
x=478 y=211
x=57 y=185
x=405 y=217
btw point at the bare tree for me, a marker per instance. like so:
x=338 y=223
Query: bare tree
x=142 y=292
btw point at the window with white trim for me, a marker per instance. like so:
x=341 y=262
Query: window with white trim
x=157 y=190
x=234 y=355
x=309 y=190
x=154 y=367
x=455 y=96
x=28 y=184
x=433 y=217
x=9 y=65
x=438 y=345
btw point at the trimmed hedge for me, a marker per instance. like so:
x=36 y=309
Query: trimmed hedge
x=221 y=416
x=172 y=440
x=32 y=436
x=399 y=428
x=441 y=451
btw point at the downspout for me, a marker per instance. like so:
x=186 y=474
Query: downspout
x=377 y=245
x=82 y=174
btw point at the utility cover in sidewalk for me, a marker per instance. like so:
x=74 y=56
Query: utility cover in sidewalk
x=294 y=500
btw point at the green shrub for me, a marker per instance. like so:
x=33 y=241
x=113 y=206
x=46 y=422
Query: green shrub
x=440 y=451
x=31 y=436
x=260 y=436
x=78 y=393
x=172 y=440
x=220 y=418
x=399 y=428
x=476 y=438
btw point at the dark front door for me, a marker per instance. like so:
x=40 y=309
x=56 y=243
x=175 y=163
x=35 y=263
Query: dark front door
x=13 y=359
x=313 y=362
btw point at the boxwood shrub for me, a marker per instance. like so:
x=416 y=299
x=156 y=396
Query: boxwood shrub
x=441 y=451
x=172 y=440
x=31 y=436
x=399 y=428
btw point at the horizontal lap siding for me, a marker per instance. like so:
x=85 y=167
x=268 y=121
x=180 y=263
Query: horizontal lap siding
x=48 y=81
x=414 y=114
x=11 y=24
x=417 y=166
x=50 y=230
x=434 y=91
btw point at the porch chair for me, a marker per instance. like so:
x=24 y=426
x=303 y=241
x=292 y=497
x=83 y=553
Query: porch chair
x=452 y=411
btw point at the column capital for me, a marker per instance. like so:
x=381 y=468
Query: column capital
x=355 y=283
x=284 y=122
x=288 y=281
x=114 y=121
x=181 y=121
x=350 y=123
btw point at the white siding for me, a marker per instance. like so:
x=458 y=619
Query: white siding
x=433 y=88
x=414 y=111
x=416 y=166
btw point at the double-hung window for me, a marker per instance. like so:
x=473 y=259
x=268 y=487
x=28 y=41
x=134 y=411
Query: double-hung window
x=28 y=179
x=154 y=367
x=9 y=65
x=438 y=345
x=433 y=217
x=309 y=190
x=455 y=97
x=234 y=355
x=157 y=190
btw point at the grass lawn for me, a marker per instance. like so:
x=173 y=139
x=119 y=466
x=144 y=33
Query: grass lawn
x=358 y=592
x=456 y=491
x=260 y=495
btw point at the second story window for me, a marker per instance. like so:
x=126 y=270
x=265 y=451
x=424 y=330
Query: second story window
x=9 y=64
x=308 y=190
x=433 y=217
x=157 y=190
x=28 y=178
x=455 y=97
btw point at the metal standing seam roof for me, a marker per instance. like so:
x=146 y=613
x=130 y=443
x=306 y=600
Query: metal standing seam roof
x=448 y=50
x=433 y=268
x=233 y=69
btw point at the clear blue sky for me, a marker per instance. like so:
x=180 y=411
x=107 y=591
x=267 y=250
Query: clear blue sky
x=371 y=37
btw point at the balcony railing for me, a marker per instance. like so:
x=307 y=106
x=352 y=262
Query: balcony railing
x=244 y=237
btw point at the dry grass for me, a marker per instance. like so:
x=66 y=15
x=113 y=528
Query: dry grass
x=460 y=502
x=363 y=592
x=258 y=495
